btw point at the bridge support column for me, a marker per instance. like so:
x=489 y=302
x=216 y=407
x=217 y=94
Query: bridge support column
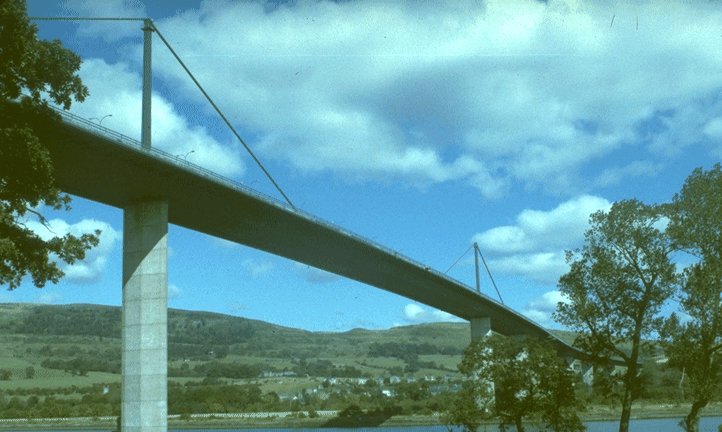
x=480 y=327
x=144 y=405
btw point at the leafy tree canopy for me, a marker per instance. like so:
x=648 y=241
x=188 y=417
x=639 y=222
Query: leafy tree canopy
x=33 y=72
x=515 y=380
x=616 y=286
x=695 y=345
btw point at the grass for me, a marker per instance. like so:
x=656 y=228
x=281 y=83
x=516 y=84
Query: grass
x=60 y=380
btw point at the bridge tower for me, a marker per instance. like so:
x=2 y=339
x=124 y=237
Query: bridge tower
x=480 y=328
x=144 y=402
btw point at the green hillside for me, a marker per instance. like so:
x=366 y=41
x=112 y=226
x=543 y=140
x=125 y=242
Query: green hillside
x=64 y=361
x=60 y=361
x=73 y=340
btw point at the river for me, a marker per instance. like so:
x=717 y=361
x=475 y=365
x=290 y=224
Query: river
x=707 y=424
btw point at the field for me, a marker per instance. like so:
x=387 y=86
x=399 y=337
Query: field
x=64 y=361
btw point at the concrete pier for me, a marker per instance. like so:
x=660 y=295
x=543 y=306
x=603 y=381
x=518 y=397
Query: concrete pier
x=145 y=318
x=480 y=327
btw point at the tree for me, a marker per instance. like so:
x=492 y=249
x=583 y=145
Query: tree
x=616 y=286
x=32 y=72
x=529 y=381
x=696 y=345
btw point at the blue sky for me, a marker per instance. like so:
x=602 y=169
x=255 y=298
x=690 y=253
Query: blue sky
x=424 y=126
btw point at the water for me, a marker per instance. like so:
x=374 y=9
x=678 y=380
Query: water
x=707 y=424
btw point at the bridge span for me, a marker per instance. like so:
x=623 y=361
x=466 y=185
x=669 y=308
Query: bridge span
x=102 y=165
x=155 y=188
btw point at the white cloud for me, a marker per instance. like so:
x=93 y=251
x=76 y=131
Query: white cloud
x=484 y=93
x=108 y=31
x=543 y=267
x=615 y=175
x=116 y=91
x=174 y=292
x=541 y=308
x=257 y=268
x=49 y=298
x=91 y=268
x=563 y=226
x=713 y=128
x=314 y=275
x=534 y=246
x=414 y=313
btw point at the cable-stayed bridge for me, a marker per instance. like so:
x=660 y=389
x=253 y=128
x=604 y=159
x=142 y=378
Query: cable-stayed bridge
x=102 y=165
x=155 y=188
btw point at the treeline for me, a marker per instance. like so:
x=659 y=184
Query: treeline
x=216 y=369
x=410 y=353
x=52 y=407
x=183 y=327
x=98 y=401
x=223 y=398
x=213 y=396
x=403 y=350
x=82 y=365
x=206 y=329
x=77 y=320
x=325 y=368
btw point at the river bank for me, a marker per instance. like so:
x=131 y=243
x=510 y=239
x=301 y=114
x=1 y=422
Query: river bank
x=300 y=420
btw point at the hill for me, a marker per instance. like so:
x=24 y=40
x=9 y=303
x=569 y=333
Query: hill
x=64 y=361
x=76 y=339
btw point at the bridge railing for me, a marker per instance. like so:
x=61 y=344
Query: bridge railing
x=124 y=140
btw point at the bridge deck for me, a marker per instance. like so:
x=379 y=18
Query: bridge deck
x=101 y=165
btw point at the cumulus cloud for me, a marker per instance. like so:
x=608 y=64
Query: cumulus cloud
x=91 y=268
x=615 y=175
x=561 y=226
x=107 y=31
x=484 y=93
x=116 y=91
x=534 y=246
x=413 y=313
x=541 y=308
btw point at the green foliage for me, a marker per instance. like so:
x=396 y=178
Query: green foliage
x=695 y=214
x=354 y=416
x=208 y=329
x=325 y=368
x=37 y=68
x=63 y=343
x=696 y=344
x=76 y=320
x=513 y=380
x=616 y=286
x=82 y=365
x=470 y=406
x=213 y=398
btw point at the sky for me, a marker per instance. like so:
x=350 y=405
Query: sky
x=423 y=126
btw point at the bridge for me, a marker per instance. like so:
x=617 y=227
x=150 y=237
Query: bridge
x=155 y=188
x=203 y=201
x=102 y=165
